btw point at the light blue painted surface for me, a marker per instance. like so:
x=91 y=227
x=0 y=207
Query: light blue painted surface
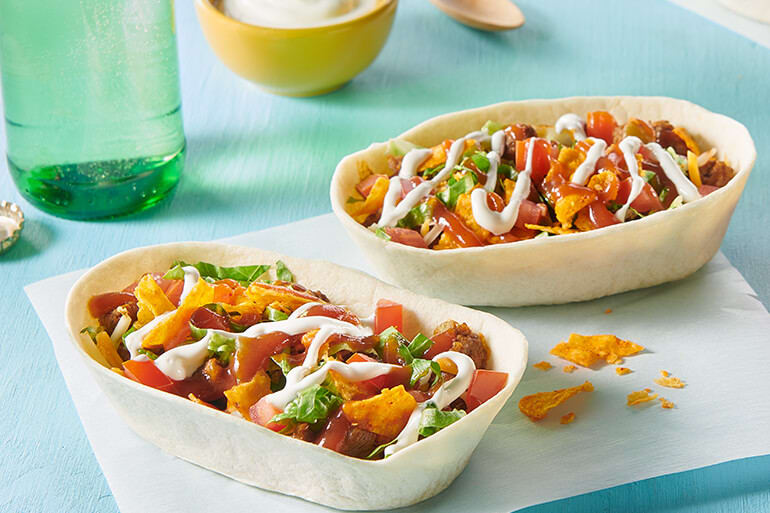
x=257 y=161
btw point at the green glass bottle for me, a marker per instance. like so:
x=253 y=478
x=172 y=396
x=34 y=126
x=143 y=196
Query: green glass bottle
x=92 y=104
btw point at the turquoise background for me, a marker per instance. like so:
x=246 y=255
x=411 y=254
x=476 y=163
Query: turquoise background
x=257 y=161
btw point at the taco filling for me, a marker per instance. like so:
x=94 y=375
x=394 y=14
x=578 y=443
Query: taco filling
x=516 y=182
x=251 y=342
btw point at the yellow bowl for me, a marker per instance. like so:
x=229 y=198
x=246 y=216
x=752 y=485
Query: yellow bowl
x=297 y=61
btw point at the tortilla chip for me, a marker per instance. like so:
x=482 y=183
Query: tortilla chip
x=568 y=418
x=665 y=373
x=670 y=381
x=385 y=414
x=464 y=209
x=543 y=366
x=569 y=369
x=556 y=230
x=107 y=348
x=665 y=403
x=622 y=371
x=349 y=390
x=151 y=300
x=360 y=210
x=571 y=158
x=260 y=295
x=605 y=181
x=241 y=397
x=639 y=397
x=579 y=355
x=536 y=406
x=567 y=206
x=586 y=350
x=608 y=311
x=201 y=294
x=583 y=221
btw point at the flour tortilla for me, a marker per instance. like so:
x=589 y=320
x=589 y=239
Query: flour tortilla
x=257 y=456
x=663 y=247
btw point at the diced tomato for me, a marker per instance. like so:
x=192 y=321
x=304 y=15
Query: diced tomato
x=600 y=216
x=365 y=186
x=206 y=319
x=146 y=373
x=530 y=213
x=105 y=303
x=252 y=354
x=262 y=412
x=484 y=385
x=455 y=228
x=336 y=430
x=408 y=185
x=419 y=395
x=705 y=190
x=360 y=357
x=541 y=161
x=441 y=343
x=601 y=125
x=646 y=201
x=397 y=376
x=406 y=236
x=388 y=314
x=334 y=312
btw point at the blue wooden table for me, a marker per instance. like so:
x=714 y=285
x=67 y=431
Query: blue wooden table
x=257 y=161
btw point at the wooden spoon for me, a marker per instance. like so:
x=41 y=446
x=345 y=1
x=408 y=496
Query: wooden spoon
x=483 y=14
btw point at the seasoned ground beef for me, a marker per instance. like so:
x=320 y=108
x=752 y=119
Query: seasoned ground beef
x=466 y=342
x=716 y=173
x=303 y=432
x=109 y=320
x=517 y=132
x=665 y=136
x=358 y=443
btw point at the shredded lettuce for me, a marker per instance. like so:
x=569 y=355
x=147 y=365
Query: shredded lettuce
x=678 y=202
x=399 y=148
x=274 y=314
x=312 y=405
x=648 y=176
x=244 y=274
x=283 y=363
x=680 y=160
x=434 y=420
x=664 y=194
x=456 y=188
x=421 y=367
x=507 y=171
x=416 y=216
x=419 y=345
x=282 y=272
x=379 y=232
x=491 y=127
x=222 y=348
x=481 y=161
x=146 y=352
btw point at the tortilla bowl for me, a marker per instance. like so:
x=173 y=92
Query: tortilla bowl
x=260 y=457
x=663 y=247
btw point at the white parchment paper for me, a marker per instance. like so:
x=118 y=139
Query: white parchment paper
x=709 y=330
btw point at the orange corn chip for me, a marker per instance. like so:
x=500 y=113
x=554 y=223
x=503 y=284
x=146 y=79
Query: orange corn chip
x=586 y=350
x=568 y=418
x=556 y=230
x=107 y=348
x=241 y=397
x=385 y=414
x=116 y=370
x=665 y=373
x=201 y=294
x=583 y=221
x=543 y=366
x=639 y=397
x=360 y=210
x=569 y=369
x=666 y=404
x=349 y=390
x=622 y=371
x=151 y=300
x=567 y=206
x=261 y=295
x=670 y=382
x=537 y=406
x=608 y=311
x=607 y=183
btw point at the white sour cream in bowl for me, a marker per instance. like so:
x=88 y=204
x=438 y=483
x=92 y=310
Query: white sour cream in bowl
x=295 y=13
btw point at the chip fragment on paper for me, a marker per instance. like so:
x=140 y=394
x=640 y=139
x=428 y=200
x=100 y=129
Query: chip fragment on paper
x=639 y=397
x=536 y=406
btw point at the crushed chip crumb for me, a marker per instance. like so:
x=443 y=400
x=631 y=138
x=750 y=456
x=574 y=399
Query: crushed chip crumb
x=639 y=397
x=569 y=369
x=585 y=350
x=543 y=366
x=665 y=403
x=608 y=311
x=622 y=371
x=568 y=418
x=670 y=382
x=536 y=406
x=665 y=374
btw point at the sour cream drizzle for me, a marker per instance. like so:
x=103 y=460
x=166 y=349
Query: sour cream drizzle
x=443 y=397
x=588 y=166
x=571 y=122
x=502 y=222
x=629 y=146
x=392 y=213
